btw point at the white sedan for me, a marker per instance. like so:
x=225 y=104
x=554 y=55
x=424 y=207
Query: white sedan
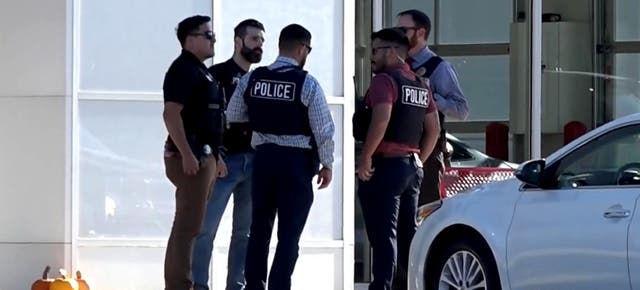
x=567 y=222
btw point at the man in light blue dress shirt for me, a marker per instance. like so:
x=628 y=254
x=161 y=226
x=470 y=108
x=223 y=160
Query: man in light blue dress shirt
x=446 y=91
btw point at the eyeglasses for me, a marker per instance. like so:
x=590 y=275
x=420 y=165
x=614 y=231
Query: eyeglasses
x=208 y=35
x=374 y=50
x=406 y=29
x=307 y=46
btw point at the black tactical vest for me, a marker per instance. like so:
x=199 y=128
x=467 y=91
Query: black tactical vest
x=273 y=98
x=209 y=115
x=425 y=71
x=407 y=115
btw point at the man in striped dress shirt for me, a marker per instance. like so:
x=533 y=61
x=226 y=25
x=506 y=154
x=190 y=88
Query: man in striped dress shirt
x=293 y=136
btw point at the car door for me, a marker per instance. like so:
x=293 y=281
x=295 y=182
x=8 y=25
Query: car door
x=573 y=234
x=634 y=248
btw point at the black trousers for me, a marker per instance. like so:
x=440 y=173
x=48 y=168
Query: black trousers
x=389 y=203
x=434 y=171
x=282 y=185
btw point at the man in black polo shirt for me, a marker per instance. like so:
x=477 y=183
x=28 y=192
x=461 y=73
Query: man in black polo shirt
x=193 y=117
x=238 y=156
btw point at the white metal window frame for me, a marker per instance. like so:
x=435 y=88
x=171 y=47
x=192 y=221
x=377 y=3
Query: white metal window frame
x=610 y=47
x=76 y=95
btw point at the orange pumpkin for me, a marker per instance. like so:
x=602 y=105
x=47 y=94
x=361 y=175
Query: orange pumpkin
x=45 y=282
x=82 y=284
x=64 y=283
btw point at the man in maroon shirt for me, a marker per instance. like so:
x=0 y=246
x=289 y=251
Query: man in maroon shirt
x=401 y=134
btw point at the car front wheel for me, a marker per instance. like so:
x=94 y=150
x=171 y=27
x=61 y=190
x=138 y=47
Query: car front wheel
x=464 y=265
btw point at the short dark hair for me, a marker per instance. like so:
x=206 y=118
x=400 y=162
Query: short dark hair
x=292 y=36
x=241 y=28
x=395 y=36
x=190 y=25
x=419 y=18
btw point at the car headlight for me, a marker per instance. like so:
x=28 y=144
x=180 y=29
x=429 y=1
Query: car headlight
x=427 y=209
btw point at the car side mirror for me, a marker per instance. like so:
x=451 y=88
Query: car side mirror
x=531 y=172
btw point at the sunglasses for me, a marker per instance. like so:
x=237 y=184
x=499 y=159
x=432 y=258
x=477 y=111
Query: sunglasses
x=374 y=50
x=208 y=35
x=406 y=29
x=307 y=46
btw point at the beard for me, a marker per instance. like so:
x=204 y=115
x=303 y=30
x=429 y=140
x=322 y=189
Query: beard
x=413 y=41
x=378 y=66
x=251 y=55
x=303 y=62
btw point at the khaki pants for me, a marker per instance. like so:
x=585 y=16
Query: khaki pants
x=192 y=194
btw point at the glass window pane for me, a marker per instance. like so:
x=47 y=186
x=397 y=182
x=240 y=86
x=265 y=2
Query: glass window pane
x=119 y=268
x=626 y=85
x=325 y=218
x=601 y=161
x=104 y=268
x=463 y=21
x=398 y=6
x=128 y=45
x=323 y=18
x=485 y=84
x=627 y=21
x=123 y=189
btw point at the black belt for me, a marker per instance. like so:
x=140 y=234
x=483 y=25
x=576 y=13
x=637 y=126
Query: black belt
x=382 y=155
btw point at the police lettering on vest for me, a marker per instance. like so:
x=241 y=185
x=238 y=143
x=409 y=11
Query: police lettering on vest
x=407 y=114
x=415 y=96
x=274 y=90
x=274 y=101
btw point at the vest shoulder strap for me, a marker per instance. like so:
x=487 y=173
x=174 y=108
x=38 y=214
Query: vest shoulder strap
x=431 y=65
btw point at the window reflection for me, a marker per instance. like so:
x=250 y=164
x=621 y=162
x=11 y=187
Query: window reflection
x=123 y=190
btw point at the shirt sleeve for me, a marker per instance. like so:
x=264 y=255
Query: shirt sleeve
x=448 y=94
x=382 y=90
x=237 y=111
x=320 y=120
x=179 y=83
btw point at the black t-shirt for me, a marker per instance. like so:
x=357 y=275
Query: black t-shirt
x=188 y=82
x=237 y=137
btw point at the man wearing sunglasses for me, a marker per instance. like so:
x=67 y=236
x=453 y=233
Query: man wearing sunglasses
x=238 y=156
x=446 y=90
x=193 y=117
x=400 y=134
x=293 y=135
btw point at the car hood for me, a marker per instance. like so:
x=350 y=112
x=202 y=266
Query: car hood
x=500 y=193
x=494 y=162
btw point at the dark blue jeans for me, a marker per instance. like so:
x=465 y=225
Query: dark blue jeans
x=389 y=203
x=238 y=182
x=281 y=184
